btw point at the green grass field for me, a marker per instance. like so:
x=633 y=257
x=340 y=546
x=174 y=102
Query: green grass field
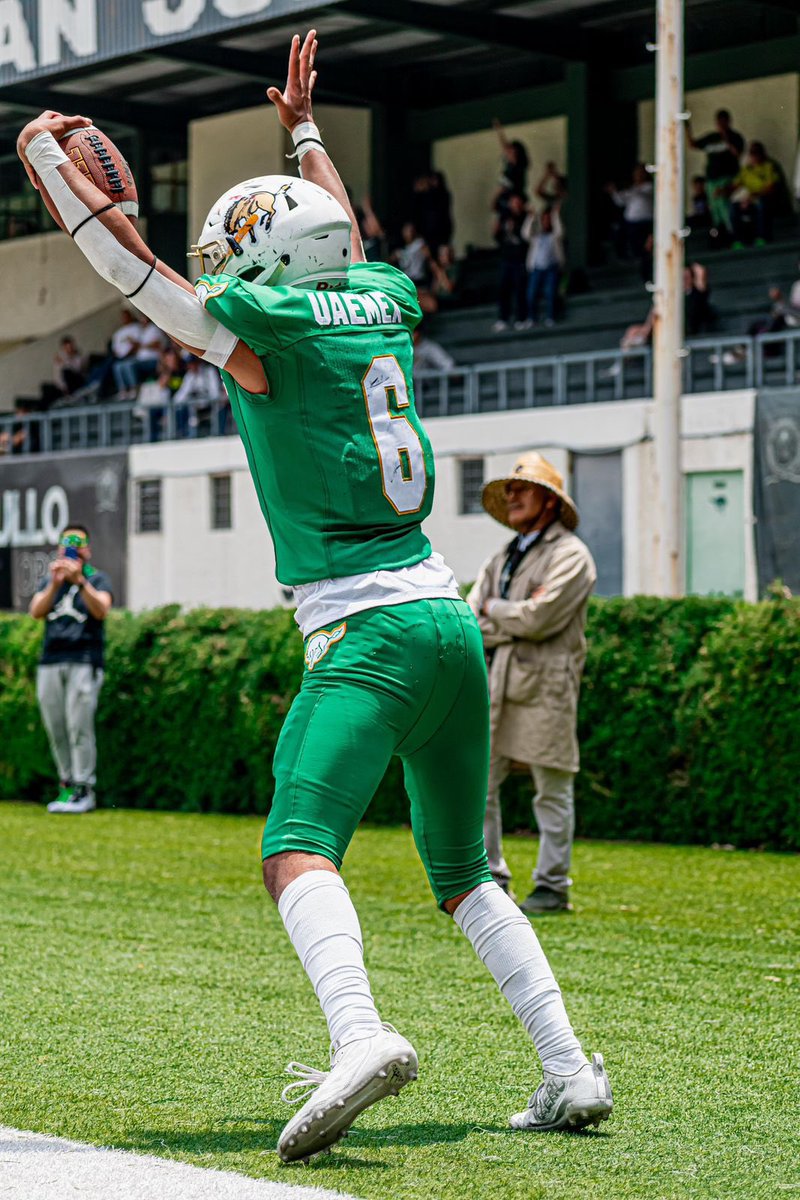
x=149 y=1000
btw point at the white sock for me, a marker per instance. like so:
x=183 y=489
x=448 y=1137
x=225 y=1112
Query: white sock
x=323 y=925
x=504 y=941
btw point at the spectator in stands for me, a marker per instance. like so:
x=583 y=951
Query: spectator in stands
x=69 y=367
x=428 y=354
x=442 y=210
x=699 y=215
x=169 y=376
x=636 y=203
x=431 y=204
x=152 y=343
x=446 y=277
x=25 y=432
x=783 y=314
x=753 y=198
x=512 y=296
x=545 y=261
x=200 y=388
x=552 y=187
x=124 y=344
x=787 y=310
x=414 y=258
x=723 y=147
x=513 y=179
x=373 y=235
x=698 y=315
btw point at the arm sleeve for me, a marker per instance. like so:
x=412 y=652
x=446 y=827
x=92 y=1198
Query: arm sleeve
x=171 y=307
x=570 y=581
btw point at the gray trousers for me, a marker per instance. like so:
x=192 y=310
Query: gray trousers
x=554 y=810
x=67 y=695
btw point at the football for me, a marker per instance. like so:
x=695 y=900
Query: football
x=93 y=153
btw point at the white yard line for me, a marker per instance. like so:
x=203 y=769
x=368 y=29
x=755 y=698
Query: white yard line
x=36 y=1167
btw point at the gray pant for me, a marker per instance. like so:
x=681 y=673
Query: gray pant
x=554 y=809
x=67 y=694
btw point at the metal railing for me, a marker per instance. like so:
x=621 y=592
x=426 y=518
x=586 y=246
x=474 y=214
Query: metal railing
x=712 y=364
x=108 y=425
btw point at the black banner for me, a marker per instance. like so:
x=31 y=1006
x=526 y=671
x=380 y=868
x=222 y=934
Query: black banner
x=776 y=489
x=42 y=37
x=41 y=494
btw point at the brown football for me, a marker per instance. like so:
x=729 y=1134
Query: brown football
x=93 y=153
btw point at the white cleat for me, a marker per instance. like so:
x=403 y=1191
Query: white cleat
x=79 y=800
x=361 y=1073
x=568 y=1101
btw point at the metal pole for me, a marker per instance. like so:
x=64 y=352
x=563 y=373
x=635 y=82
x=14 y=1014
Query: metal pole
x=668 y=348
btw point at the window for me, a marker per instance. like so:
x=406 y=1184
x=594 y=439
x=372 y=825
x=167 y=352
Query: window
x=221 y=513
x=148 y=506
x=169 y=187
x=472 y=478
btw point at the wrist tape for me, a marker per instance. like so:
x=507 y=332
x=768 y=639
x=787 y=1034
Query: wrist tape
x=306 y=136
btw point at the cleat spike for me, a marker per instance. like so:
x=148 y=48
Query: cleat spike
x=412 y=1074
x=340 y=1103
x=405 y=1060
x=292 y=1141
x=382 y=1074
x=304 y=1128
x=319 y=1114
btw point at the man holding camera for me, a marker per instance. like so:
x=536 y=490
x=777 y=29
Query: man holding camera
x=73 y=605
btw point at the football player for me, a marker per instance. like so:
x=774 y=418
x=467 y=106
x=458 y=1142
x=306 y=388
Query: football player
x=315 y=345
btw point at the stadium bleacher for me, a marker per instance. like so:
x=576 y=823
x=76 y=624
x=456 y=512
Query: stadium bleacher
x=739 y=281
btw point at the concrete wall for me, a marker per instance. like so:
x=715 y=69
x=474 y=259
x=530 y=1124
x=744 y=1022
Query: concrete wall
x=45 y=285
x=472 y=164
x=764 y=110
x=225 y=149
x=192 y=564
x=24 y=367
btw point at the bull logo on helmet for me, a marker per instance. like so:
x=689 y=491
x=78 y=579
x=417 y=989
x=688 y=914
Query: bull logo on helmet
x=249 y=213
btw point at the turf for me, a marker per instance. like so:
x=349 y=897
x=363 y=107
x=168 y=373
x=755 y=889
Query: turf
x=149 y=1000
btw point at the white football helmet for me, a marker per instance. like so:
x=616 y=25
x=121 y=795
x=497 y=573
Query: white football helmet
x=277 y=229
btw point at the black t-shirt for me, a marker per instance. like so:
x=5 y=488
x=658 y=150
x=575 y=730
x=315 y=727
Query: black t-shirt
x=721 y=162
x=71 y=633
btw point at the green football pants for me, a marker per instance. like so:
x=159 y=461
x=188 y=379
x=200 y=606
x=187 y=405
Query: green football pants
x=410 y=680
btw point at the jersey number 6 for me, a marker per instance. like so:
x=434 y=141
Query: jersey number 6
x=396 y=440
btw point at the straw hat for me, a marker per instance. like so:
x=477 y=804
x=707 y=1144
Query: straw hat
x=531 y=468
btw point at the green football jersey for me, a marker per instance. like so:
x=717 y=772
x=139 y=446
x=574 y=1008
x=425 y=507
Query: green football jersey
x=342 y=465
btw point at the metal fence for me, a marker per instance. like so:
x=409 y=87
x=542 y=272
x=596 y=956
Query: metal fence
x=712 y=364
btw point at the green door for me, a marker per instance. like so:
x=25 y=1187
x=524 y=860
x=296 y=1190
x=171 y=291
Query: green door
x=715 y=533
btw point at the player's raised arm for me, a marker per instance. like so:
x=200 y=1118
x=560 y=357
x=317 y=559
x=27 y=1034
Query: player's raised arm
x=116 y=251
x=295 y=111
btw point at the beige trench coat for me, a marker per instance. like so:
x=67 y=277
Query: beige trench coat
x=537 y=635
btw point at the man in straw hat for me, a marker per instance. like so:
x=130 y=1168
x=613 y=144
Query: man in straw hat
x=530 y=600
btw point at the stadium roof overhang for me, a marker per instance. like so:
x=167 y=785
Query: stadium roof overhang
x=157 y=64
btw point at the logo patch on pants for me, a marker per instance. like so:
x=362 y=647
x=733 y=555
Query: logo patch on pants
x=319 y=645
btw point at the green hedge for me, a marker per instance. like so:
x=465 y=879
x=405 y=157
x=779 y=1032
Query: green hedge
x=686 y=718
